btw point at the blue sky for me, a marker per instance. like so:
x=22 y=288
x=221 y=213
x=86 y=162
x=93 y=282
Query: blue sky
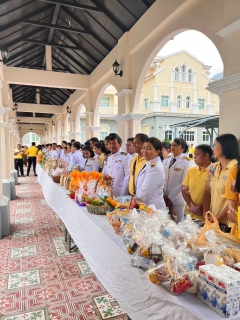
x=198 y=45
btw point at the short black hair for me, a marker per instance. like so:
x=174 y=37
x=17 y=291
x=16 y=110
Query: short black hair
x=77 y=145
x=54 y=144
x=94 y=139
x=206 y=149
x=89 y=149
x=181 y=142
x=39 y=147
x=130 y=139
x=69 y=144
x=73 y=140
x=142 y=136
x=156 y=143
x=115 y=136
x=166 y=145
x=100 y=146
x=65 y=142
x=33 y=143
x=87 y=143
x=229 y=145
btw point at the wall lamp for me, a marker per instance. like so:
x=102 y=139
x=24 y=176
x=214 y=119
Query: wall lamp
x=68 y=109
x=15 y=107
x=45 y=129
x=53 y=123
x=18 y=121
x=116 y=69
x=19 y=128
x=4 y=55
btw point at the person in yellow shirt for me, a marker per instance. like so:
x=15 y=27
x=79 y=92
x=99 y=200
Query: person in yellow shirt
x=226 y=152
x=194 y=183
x=232 y=192
x=99 y=149
x=18 y=160
x=191 y=151
x=137 y=161
x=32 y=156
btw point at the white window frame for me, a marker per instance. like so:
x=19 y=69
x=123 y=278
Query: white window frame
x=177 y=74
x=189 y=102
x=145 y=104
x=205 y=135
x=164 y=99
x=179 y=101
x=102 y=133
x=190 y=75
x=105 y=102
x=184 y=73
x=200 y=101
x=168 y=135
x=188 y=136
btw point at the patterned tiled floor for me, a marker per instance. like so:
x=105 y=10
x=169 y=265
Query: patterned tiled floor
x=39 y=279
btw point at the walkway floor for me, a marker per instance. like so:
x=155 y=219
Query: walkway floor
x=39 y=279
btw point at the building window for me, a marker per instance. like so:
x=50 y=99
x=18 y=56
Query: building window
x=103 y=135
x=201 y=103
x=164 y=101
x=184 y=68
x=168 y=135
x=105 y=102
x=176 y=74
x=188 y=102
x=205 y=136
x=188 y=135
x=179 y=101
x=190 y=75
x=145 y=104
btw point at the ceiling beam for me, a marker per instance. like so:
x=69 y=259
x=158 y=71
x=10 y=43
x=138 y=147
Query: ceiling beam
x=22 y=52
x=42 y=78
x=31 y=59
x=27 y=16
x=44 y=43
x=55 y=26
x=52 y=98
x=146 y=3
x=62 y=64
x=35 y=120
x=110 y=16
x=73 y=5
x=67 y=54
x=41 y=108
x=19 y=39
x=85 y=26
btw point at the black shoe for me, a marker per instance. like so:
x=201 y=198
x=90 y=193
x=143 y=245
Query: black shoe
x=23 y=175
x=35 y=175
x=27 y=175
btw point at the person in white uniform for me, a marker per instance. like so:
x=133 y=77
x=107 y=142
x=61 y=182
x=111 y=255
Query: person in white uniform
x=175 y=168
x=130 y=147
x=118 y=166
x=150 y=180
x=54 y=153
x=77 y=156
x=90 y=163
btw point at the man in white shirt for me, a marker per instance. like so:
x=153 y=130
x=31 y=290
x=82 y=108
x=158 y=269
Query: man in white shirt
x=118 y=166
x=63 y=145
x=77 y=156
x=54 y=153
x=130 y=147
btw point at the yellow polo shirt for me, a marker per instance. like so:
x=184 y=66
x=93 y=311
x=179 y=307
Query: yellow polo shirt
x=100 y=160
x=191 y=150
x=195 y=179
x=17 y=156
x=139 y=164
x=32 y=151
x=229 y=195
x=218 y=180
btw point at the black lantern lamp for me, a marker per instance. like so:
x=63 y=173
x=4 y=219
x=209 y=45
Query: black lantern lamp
x=53 y=123
x=4 y=55
x=15 y=107
x=116 y=69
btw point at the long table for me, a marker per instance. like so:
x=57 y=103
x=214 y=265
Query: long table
x=108 y=259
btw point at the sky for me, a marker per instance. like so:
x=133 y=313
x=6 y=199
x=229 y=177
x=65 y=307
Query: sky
x=198 y=45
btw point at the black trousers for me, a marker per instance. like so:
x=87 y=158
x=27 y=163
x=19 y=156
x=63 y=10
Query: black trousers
x=31 y=160
x=18 y=164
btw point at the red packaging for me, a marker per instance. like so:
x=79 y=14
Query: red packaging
x=180 y=285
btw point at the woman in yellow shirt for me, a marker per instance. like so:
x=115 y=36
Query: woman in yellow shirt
x=99 y=149
x=194 y=183
x=226 y=152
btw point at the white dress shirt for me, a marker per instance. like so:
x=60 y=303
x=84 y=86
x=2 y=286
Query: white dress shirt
x=77 y=159
x=90 y=164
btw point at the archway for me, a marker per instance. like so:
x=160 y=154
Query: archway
x=174 y=85
x=105 y=109
x=30 y=137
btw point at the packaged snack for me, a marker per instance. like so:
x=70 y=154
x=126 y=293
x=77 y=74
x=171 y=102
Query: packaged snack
x=159 y=273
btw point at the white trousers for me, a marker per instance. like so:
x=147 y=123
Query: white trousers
x=180 y=209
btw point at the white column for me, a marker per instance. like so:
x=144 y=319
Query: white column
x=195 y=88
x=155 y=92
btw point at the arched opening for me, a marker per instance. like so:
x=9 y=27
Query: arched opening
x=175 y=81
x=30 y=137
x=106 y=108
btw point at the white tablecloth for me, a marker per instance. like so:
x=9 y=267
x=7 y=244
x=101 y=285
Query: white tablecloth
x=107 y=258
